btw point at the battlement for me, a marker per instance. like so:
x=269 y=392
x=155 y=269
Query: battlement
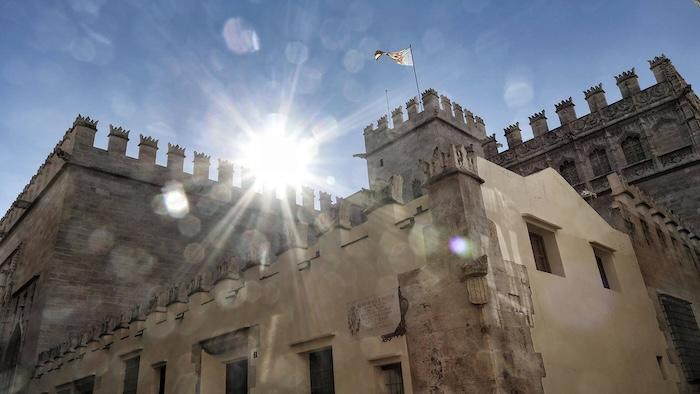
x=635 y=200
x=118 y=132
x=77 y=148
x=593 y=90
x=148 y=141
x=658 y=60
x=564 y=104
x=536 y=116
x=625 y=75
x=669 y=84
x=435 y=107
x=234 y=280
x=85 y=121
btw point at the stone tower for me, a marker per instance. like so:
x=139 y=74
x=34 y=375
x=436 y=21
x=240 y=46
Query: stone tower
x=392 y=151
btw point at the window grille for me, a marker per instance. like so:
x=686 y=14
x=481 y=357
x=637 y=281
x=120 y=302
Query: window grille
x=685 y=334
x=393 y=378
x=321 y=370
x=131 y=375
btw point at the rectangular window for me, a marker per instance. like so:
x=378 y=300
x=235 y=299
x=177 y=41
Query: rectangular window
x=160 y=370
x=606 y=266
x=84 y=385
x=237 y=377
x=321 y=371
x=601 y=270
x=131 y=375
x=685 y=334
x=80 y=386
x=393 y=378
x=540 y=253
x=543 y=241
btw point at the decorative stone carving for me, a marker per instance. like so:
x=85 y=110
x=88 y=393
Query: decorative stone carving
x=475 y=271
x=458 y=157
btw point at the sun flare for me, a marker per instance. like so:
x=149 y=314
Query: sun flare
x=278 y=158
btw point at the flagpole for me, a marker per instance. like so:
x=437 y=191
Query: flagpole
x=388 y=112
x=420 y=100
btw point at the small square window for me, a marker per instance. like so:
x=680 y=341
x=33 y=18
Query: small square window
x=544 y=247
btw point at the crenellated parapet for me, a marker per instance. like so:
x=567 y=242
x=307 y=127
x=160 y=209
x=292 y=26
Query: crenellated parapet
x=435 y=107
x=513 y=135
x=538 y=123
x=85 y=121
x=633 y=200
x=230 y=286
x=148 y=146
x=51 y=166
x=595 y=96
x=143 y=168
x=602 y=115
x=628 y=83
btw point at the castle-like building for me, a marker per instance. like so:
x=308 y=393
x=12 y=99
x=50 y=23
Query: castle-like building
x=460 y=269
x=650 y=136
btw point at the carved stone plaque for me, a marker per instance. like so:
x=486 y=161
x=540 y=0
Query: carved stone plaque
x=375 y=315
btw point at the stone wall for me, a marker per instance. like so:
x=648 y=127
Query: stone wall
x=664 y=118
x=669 y=259
x=97 y=232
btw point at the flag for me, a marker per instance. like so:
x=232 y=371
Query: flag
x=402 y=57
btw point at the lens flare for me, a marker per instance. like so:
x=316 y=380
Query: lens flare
x=460 y=246
x=175 y=200
x=277 y=157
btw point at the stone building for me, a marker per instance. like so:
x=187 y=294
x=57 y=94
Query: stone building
x=650 y=136
x=449 y=274
x=385 y=306
x=96 y=230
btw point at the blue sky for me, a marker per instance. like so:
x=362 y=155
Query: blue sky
x=202 y=74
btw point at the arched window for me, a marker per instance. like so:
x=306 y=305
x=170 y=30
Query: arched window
x=568 y=171
x=599 y=162
x=633 y=150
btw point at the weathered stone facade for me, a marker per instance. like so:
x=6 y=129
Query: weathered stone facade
x=650 y=136
x=93 y=232
x=669 y=259
x=460 y=320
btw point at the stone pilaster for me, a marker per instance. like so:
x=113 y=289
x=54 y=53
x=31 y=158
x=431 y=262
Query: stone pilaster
x=461 y=336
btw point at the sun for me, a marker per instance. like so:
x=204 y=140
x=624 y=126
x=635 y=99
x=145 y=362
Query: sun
x=278 y=158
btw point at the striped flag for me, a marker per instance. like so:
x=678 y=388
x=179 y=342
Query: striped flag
x=402 y=57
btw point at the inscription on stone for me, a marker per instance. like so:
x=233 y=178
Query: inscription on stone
x=375 y=315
